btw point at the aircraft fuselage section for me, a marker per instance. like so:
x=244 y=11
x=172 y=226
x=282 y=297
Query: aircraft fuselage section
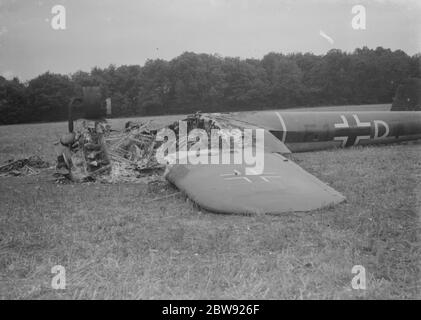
x=309 y=131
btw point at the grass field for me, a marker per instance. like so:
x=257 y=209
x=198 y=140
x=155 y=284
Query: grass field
x=116 y=243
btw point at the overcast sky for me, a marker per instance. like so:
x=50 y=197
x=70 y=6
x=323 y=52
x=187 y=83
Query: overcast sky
x=100 y=32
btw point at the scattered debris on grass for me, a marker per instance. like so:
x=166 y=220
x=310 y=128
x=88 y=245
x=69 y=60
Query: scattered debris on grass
x=95 y=152
x=101 y=154
x=87 y=152
x=23 y=167
x=135 y=148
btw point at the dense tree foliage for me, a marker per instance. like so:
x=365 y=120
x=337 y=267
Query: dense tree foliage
x=193 y=82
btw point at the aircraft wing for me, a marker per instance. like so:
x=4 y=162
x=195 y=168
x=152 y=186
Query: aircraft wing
x=282 y=187
x=274 y=145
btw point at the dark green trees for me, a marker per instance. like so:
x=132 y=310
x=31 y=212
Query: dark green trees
x=211 y=83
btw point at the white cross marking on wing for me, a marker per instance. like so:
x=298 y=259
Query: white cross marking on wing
x=237 y=176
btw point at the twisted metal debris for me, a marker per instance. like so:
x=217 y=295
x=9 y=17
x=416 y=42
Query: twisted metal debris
x=101 y=154
x=95 y=152
x=26 y=166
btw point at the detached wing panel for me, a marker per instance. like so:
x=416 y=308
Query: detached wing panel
x=283 y=187
x=274 y=145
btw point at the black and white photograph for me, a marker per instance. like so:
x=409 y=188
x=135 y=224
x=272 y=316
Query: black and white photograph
x=210 y=155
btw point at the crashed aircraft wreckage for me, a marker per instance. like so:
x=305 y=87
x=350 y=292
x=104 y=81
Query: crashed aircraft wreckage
x=278 y=186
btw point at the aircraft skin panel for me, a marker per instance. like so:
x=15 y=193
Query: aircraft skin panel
x=324 y=145
x=312 y=131
x=297 y=147
x=282 y=187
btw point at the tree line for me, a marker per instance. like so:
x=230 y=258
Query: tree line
x=210 y=83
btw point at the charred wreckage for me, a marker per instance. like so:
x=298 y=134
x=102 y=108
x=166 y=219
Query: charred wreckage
x=92 y=150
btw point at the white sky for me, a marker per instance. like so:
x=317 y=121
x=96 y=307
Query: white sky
x=100 y=32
